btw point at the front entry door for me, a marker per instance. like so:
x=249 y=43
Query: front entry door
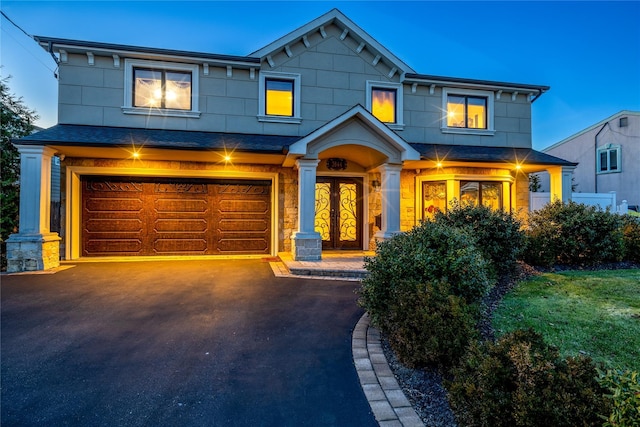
x=339 y=212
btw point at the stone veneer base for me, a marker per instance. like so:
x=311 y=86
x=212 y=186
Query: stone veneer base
x=33 y=252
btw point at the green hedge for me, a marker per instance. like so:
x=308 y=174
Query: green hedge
x=573 y=234
x=521 y=381
x=499 y=234
x=423 y=291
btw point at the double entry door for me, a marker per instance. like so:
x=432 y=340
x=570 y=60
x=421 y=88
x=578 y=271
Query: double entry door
x=338 y=216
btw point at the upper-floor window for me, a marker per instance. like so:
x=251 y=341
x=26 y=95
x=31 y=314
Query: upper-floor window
x=279 y=97
x=609 y=159
x=384 y=101
x=161 y=88
x=467 y=111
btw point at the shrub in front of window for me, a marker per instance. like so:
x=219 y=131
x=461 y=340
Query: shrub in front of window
x=573 y=234
x=521 y=381
x=423 y=290
x=427 y=253
x=499 y=233
x=631 y=238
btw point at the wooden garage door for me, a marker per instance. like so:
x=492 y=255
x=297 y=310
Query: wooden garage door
x=173 y=216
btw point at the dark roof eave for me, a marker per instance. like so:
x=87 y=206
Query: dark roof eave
x=115 y=137
x=49 y=42
x=483 y=154
x=443 y=81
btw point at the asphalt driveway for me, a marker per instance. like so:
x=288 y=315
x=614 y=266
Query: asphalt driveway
x=180 y=343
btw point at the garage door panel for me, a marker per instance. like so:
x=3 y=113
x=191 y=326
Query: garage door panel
x=243 y=206
x=114 y=204
x=108 y=225
x=180 y=225
x=181 y=205
x=156 y=216
x=180 y=246
x=113 y=246
x=243 y=225
x=236 y=246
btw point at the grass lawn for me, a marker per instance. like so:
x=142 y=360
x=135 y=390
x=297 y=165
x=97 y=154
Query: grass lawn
x=596 y=313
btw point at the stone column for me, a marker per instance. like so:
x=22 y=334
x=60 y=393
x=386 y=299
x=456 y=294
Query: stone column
x=390 y=194
x=560 y=182
x=306 y=243
x=34 y=247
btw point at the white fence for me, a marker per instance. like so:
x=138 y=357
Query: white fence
x=603 y=200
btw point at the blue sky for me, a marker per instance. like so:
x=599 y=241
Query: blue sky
x=588 y=52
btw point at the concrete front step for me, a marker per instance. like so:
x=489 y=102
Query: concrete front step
x=351 y=274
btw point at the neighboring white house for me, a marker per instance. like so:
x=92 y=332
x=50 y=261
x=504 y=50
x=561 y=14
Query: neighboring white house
x=608 y=157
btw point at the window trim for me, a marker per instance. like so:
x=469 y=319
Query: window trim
x=129 y=108
x=608 y=148
x=398 y=87
x=488 y=95
x=262 y=98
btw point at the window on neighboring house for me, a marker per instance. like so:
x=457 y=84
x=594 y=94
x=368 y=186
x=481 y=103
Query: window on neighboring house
x=609 y=159
x=466 y=112
x=434 y=198
x=384 y=101
x=279 y=97
x=161 y=89
x=481 y=193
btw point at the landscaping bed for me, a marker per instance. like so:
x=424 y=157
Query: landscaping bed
x=436 y=291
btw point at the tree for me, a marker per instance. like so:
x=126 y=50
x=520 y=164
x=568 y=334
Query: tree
x=534 y=183
x=16 y=121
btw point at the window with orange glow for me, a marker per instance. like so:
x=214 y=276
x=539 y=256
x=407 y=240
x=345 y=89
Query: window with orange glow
x=279 y=97
x=161 y=89
x=383 y=104
x=481 y=193
x=466 y=112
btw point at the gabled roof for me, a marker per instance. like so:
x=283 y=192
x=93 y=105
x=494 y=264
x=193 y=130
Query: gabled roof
x=299 y=148
x=592 y=127
x=337 y=18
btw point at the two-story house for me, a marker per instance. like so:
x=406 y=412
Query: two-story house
x=322 y=140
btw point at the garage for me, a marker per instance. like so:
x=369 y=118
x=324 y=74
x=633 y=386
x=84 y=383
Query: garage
x=149 y=216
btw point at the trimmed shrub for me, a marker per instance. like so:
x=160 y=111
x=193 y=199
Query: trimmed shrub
x=429 y=326
x=573 y=234
x=521 y=381
x=426 y=254
x=631 y=238
x=624 y=389
x=423 y=291
x=499 y=233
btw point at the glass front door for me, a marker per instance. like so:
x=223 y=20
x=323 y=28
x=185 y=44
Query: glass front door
x=339 y=212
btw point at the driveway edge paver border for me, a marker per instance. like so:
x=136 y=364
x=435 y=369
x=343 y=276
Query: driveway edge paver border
x=387 y=400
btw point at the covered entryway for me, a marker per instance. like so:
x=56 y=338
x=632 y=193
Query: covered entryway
x=146 y=216
x=339 y=211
